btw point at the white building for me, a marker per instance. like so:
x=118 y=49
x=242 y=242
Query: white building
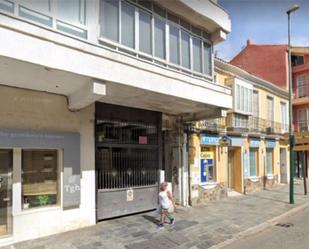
x=83 y=89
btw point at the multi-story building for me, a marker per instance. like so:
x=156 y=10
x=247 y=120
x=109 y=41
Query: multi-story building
x=84 y=86
x=247 y=150
x=300 y=102
x=270 y=62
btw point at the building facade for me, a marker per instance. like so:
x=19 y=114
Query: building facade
x=270 y=62
x=91 y=92
x=247 y=150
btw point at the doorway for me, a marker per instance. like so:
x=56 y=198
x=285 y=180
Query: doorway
x=6 y=162
x=283 y=168
x=234 y=169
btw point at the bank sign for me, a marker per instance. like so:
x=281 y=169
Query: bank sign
x=207 y=139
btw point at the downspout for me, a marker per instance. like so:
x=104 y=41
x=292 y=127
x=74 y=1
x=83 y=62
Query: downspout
x=189 y=170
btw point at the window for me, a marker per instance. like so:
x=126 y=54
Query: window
x=270 y=109
x=255 y=104
x=302 y=86
x=110 y=19
x=127 y=24
x=71 y=10
x=243 y=99
x=155 y=33
x=197 y=54
x=159 y=38
x=237 y=97
x=39 y=178
x=185 y=49
x=174 y=45
x=297 y=60
x=284 y=119
x=303 y=120
x=145 y=37
x=269 y=161
x=207 y=59
x=41 y=6
x=240 y=121
x=253 y=161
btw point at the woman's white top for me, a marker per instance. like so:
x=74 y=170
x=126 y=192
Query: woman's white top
x=164 y=201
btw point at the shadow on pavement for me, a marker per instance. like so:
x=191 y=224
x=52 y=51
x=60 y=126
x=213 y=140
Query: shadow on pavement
x=151 y=219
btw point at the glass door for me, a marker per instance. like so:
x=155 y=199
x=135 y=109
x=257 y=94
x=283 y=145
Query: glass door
x=6 y=162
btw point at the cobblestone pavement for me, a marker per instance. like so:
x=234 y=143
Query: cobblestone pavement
x=195 y=228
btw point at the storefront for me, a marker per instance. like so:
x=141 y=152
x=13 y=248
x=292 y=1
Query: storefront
x=128 y=159
x=46 y=174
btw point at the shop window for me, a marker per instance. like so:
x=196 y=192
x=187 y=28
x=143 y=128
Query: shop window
x=269 y=161
x=39 y=178
x=110 y=20
x=253 y=162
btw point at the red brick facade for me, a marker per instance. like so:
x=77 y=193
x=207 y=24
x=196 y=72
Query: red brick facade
x=269 y=62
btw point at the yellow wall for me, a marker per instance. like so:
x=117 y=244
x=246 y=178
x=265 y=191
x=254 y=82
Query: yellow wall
x=263 y=104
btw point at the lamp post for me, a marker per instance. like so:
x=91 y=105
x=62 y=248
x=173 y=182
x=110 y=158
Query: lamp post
x=291 y=136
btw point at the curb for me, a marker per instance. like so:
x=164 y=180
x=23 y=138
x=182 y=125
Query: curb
x=261 y=227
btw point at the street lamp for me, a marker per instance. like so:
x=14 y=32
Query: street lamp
x=291 y=136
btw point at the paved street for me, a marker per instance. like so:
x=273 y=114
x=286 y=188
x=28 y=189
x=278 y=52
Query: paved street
x=289 y=233
x=195 y=228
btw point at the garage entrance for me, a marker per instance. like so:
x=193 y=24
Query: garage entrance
x=127 y=160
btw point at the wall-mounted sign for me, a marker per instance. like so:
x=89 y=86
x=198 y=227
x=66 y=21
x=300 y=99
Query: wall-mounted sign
x=142 y=140
x=225 y=141
x=270 y=143
x=207 y=139
x=130 y=195
x=237 y=141
x=255 y=143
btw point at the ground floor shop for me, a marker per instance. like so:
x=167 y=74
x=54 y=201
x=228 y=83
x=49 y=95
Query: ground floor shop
x=221 y=163
x=62 y=170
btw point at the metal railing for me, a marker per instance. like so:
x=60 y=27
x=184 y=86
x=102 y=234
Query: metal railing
x=215 y=124
x=303 y=125
x=242 y=123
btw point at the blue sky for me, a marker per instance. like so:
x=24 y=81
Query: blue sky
x=263 y=21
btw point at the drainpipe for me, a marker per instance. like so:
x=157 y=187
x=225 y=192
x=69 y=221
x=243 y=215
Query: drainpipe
x=189 y=170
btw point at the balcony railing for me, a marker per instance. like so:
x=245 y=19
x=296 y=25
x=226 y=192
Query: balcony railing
x=252 y=124
x=301 y=91
x=303 y=125
x=216 y=124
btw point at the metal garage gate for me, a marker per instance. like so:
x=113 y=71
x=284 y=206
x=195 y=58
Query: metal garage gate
x=127 y=160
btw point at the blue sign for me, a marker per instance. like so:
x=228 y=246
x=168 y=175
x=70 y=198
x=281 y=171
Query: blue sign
x=270 y=143
x=236 y=141
x=207 y=139
x=255 y=143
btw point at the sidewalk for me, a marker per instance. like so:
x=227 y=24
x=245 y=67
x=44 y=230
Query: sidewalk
x=195 y=228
